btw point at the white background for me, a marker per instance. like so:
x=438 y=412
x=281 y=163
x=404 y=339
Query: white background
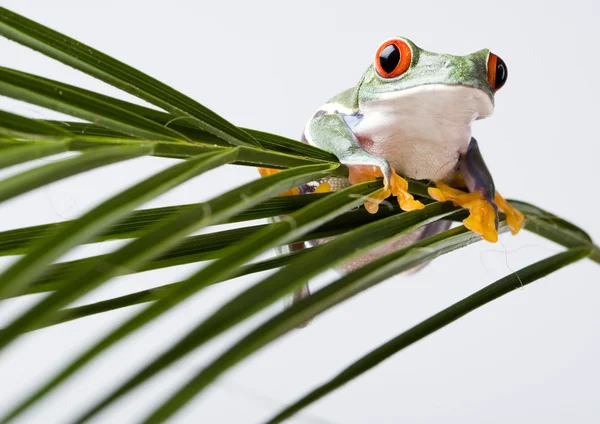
x=531 y=356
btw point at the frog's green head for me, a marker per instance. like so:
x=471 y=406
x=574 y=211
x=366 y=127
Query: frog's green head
x=402 y=69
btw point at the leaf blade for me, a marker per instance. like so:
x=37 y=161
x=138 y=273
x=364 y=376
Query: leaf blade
x=268 y=290
x=190 y=250
x=322 y=300
x=19 y=154
x=18 y=126
x=99 y=65
x=311 y=216
x=14 y=242
x=160 y=239
x=74 y=101
x=501 y=287
x=78 y=231
x=55 y=171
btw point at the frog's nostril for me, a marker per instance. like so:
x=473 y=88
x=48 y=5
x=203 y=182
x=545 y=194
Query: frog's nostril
x=447 y=64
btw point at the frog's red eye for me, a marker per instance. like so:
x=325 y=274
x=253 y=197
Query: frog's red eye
x=497 y=72
x=393 y=58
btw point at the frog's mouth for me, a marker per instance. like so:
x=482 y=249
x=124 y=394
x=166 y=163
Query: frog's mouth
x=445 y=104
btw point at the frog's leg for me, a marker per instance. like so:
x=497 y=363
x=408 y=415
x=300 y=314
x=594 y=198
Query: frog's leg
x=483 y=217
x=476 y=175
x=330 y=132
x=482 y=200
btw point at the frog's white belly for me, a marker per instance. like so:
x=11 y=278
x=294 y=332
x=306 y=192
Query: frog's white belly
x=422 y=131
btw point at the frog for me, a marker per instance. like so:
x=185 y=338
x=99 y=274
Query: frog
x=410 y=117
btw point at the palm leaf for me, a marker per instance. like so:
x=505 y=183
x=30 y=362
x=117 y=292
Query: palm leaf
x=159 y=292
x=189 y=250
x=114 y=72
x=43 y=92
x=17 y=242
x=46 y=174
x=12 y=125
x=286 y=321
x=309 y=217
x=160 y=239
x=118 y=130
x=90 y=224
x=488 y=294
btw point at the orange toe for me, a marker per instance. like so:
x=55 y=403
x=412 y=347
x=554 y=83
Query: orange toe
x=482 y=220
x=267 y=171
x=399 y=188
x=514 y=217
x=372 y=205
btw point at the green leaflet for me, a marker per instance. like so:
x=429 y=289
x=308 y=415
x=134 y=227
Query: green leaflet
x=151 y=244
x=15 y=278
x=159 y=292
x=495 y=290
x=18 y=153
x=272 y=288
x=114 y=72
x=268 y=141
x=198 y=248
x=19 y=126
x=556 y=229
x=249 y=156
x=273 y=207
x=72 y=101
x=190 y=250
x=19 y=241
x=204 y=247
x=333 y=294
x=285 y=230
x=55 y=171
x=161 y=238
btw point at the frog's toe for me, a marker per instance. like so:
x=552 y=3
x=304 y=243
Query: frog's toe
x=482 y=219
x=482 y=213
x=269 y=171
x=399 y=188
x=394 y=185
x=363 y=173
x=444 y=193
x=514 y=217
x=372 y=204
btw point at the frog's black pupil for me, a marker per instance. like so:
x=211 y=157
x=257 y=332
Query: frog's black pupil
x=501 y=73
x=389 y=58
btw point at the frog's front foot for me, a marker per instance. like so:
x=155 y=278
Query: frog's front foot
x=394 y=185
x=482 y=213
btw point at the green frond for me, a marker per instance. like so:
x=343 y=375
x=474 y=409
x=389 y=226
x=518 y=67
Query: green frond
x=115 y=130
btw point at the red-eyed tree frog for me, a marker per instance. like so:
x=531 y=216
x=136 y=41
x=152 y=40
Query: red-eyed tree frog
x=410 y=115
